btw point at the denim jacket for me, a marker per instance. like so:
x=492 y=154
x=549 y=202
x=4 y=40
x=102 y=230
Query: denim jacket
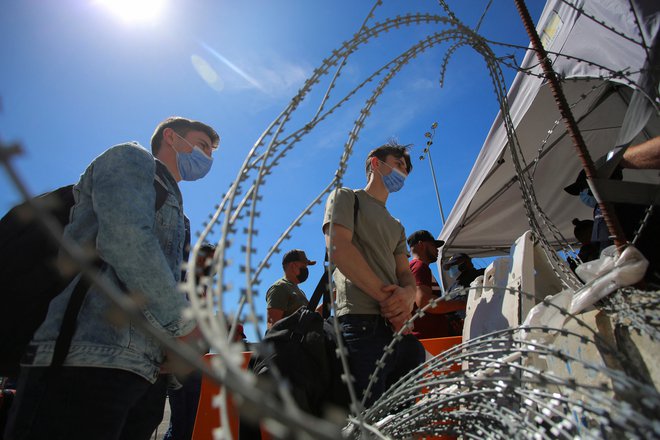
x=115 y=213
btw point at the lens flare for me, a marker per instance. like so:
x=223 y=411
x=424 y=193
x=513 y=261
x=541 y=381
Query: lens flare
x=208 y=73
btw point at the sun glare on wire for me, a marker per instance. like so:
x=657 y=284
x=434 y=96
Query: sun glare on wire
x=134 y=10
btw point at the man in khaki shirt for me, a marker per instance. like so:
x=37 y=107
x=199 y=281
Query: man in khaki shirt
x=284 y=297
x=374 y=285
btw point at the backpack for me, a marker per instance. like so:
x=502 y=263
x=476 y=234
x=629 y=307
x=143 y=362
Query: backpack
x=303 y=348
x=30 y=278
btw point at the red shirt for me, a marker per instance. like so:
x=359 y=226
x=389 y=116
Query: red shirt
x=428 y=326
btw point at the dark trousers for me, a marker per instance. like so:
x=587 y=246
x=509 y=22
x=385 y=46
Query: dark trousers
x=183 y=406
x=85 y=403
x=366 y=336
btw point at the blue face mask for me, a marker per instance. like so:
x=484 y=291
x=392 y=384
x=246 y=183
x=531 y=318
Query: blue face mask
x=588 y=199
x=453 y=271
x=193 y=165
x=394 y=181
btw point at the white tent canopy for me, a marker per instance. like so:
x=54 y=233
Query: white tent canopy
x=489 y=213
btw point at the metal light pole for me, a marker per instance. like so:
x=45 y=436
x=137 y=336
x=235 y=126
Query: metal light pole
x=427 y=151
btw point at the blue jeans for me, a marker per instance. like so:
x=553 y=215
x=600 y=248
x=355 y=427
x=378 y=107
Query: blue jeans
x=85 y=403
x=366 y=336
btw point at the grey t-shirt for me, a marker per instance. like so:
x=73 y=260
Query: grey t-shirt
x=285 y=295
x=378 y=236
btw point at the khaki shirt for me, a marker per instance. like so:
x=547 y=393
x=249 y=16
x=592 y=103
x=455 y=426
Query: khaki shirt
x=285 y=295
x=378 y=236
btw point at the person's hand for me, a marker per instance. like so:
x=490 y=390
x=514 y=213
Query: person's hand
x=399 y=301
x=397 y=306
x=399 y=322
x=174 y=364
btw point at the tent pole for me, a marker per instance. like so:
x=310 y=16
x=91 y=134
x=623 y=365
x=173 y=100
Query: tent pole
x=607 y=209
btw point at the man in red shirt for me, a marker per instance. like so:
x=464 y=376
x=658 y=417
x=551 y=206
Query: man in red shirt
x=435 y=323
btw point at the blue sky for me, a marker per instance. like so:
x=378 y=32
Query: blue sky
x=77 y=79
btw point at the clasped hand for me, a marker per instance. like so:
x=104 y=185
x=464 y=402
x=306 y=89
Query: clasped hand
x=397 y=307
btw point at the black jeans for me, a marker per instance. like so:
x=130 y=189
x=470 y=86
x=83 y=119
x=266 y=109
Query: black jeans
x=366 y=337
x=183 y=406
x=85 y=403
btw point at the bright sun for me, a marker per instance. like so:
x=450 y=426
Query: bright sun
x=134 y=10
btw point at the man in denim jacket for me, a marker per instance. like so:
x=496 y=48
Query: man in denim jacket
x=109 y=386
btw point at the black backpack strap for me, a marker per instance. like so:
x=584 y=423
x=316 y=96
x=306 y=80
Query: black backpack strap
x=68 y=327
x=322 y=287
x=186 y=244
x=69 y=321
x=320 y=291
x=160 y=186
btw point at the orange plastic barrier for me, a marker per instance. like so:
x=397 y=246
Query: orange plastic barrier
x=208 y=417
x=436 y=346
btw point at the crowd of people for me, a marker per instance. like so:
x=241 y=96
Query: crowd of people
x=377 y=288
x=142 y=250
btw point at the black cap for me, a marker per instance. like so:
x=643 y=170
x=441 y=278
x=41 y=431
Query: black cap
x=423 y=235
x=579 y=184
x=582 y=230
x=296 y=255
x=455 y=259
x=582 y=224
